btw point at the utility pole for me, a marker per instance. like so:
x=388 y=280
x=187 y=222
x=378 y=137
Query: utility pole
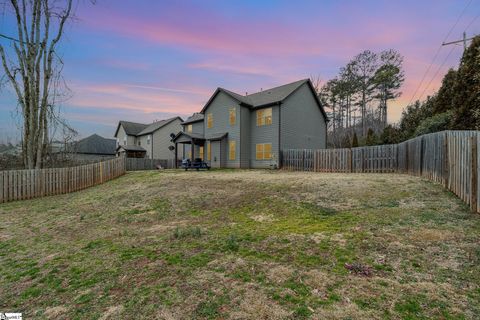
x=464 y=40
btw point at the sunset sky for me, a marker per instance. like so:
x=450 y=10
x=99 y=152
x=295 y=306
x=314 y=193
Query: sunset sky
x=145 y=60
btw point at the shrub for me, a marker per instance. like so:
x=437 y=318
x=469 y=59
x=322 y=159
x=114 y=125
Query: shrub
x=193 y=232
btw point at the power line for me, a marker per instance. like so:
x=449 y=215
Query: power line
x=471 y=22
x=436 y=73
x=438 y=51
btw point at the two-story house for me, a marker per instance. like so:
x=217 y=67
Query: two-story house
x=153 y=141
x=249 y=131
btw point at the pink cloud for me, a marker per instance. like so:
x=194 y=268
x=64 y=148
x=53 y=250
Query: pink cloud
x=146 y=100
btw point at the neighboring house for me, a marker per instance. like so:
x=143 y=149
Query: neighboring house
x=237 y=131
x=151 y=141
x=93 y=147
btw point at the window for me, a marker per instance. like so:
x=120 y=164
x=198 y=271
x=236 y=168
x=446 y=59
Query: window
x=189 y=154
x=124 y=140
x=231 y=150
x=263 y=151
x=264 y=117
x=232 y=116
x=148 y=139
x=139 y=143
x=209 y=151
x=201 y=152
x=209 y=120
x=189 y=128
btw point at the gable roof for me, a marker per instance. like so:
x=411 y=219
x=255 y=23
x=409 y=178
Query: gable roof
x=197 y=116
x=131 y=128
x=157 y=125
x=274 y=95
x=95 y=144
x=267 y=97
x=191 y=135
x=131 y=148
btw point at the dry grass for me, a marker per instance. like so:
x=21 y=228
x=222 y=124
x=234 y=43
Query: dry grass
x=243 y=245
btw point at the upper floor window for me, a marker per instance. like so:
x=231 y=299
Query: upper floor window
x=139 y=143
x=209 y=120
x=264 y=117
x=189 y=128
x=263 y=151
x=125 y=140
x=231 y=150
x=232 y=116
x=148 y=139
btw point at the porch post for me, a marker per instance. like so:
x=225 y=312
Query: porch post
x=176 y=156
x=193 y=150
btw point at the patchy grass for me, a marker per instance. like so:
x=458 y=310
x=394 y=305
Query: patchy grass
x=243 y=245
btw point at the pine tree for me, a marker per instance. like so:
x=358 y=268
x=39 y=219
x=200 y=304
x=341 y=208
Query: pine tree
x=466 y=94
x=355 y=140
x=371 y=138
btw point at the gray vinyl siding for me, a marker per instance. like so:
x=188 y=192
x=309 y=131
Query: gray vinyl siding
x=162 y=140
x=303 y=124
x=245 y=151
x=142 y=142
x=121 y=135
x=220 y=107
x=264 y=134
x=197 y=127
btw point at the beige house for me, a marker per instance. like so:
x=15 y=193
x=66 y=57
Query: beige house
x=151 y=141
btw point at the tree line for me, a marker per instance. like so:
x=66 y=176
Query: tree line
x=357 y=98
x=455 y=106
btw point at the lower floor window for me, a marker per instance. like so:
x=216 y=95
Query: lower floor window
x=201 y=152
x=263 y=151
x=231 y=150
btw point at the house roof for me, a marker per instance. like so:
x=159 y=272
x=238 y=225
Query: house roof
x=197 y=116
x=95 y=144
x=274 y=95
x=131 y=128
x=198 y=136
x=132 y=148
x=156 y=125
x=267 y=97
x=217 y=136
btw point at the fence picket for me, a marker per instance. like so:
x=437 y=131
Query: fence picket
x=28 y=184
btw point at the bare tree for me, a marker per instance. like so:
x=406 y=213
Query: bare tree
x=388 y=80
x=366 y=63
x=33 y=69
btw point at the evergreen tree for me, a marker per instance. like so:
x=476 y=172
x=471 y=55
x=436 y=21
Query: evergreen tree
x=466 y=93
x=355 y=140
x=371 y=138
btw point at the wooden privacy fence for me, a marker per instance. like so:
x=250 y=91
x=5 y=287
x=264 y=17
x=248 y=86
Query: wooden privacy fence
x=27 y=184
x=135 y=164
x=447 y=157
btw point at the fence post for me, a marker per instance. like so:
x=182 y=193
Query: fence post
x=445 y=161
x=474 y=174
x=350 y=160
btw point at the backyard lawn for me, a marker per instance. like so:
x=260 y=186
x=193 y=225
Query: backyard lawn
x=243 y=245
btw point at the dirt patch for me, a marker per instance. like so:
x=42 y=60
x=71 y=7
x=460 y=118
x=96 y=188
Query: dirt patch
x=256 y=305
x=279 y=274
x=112 y=312
x=55 y=312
